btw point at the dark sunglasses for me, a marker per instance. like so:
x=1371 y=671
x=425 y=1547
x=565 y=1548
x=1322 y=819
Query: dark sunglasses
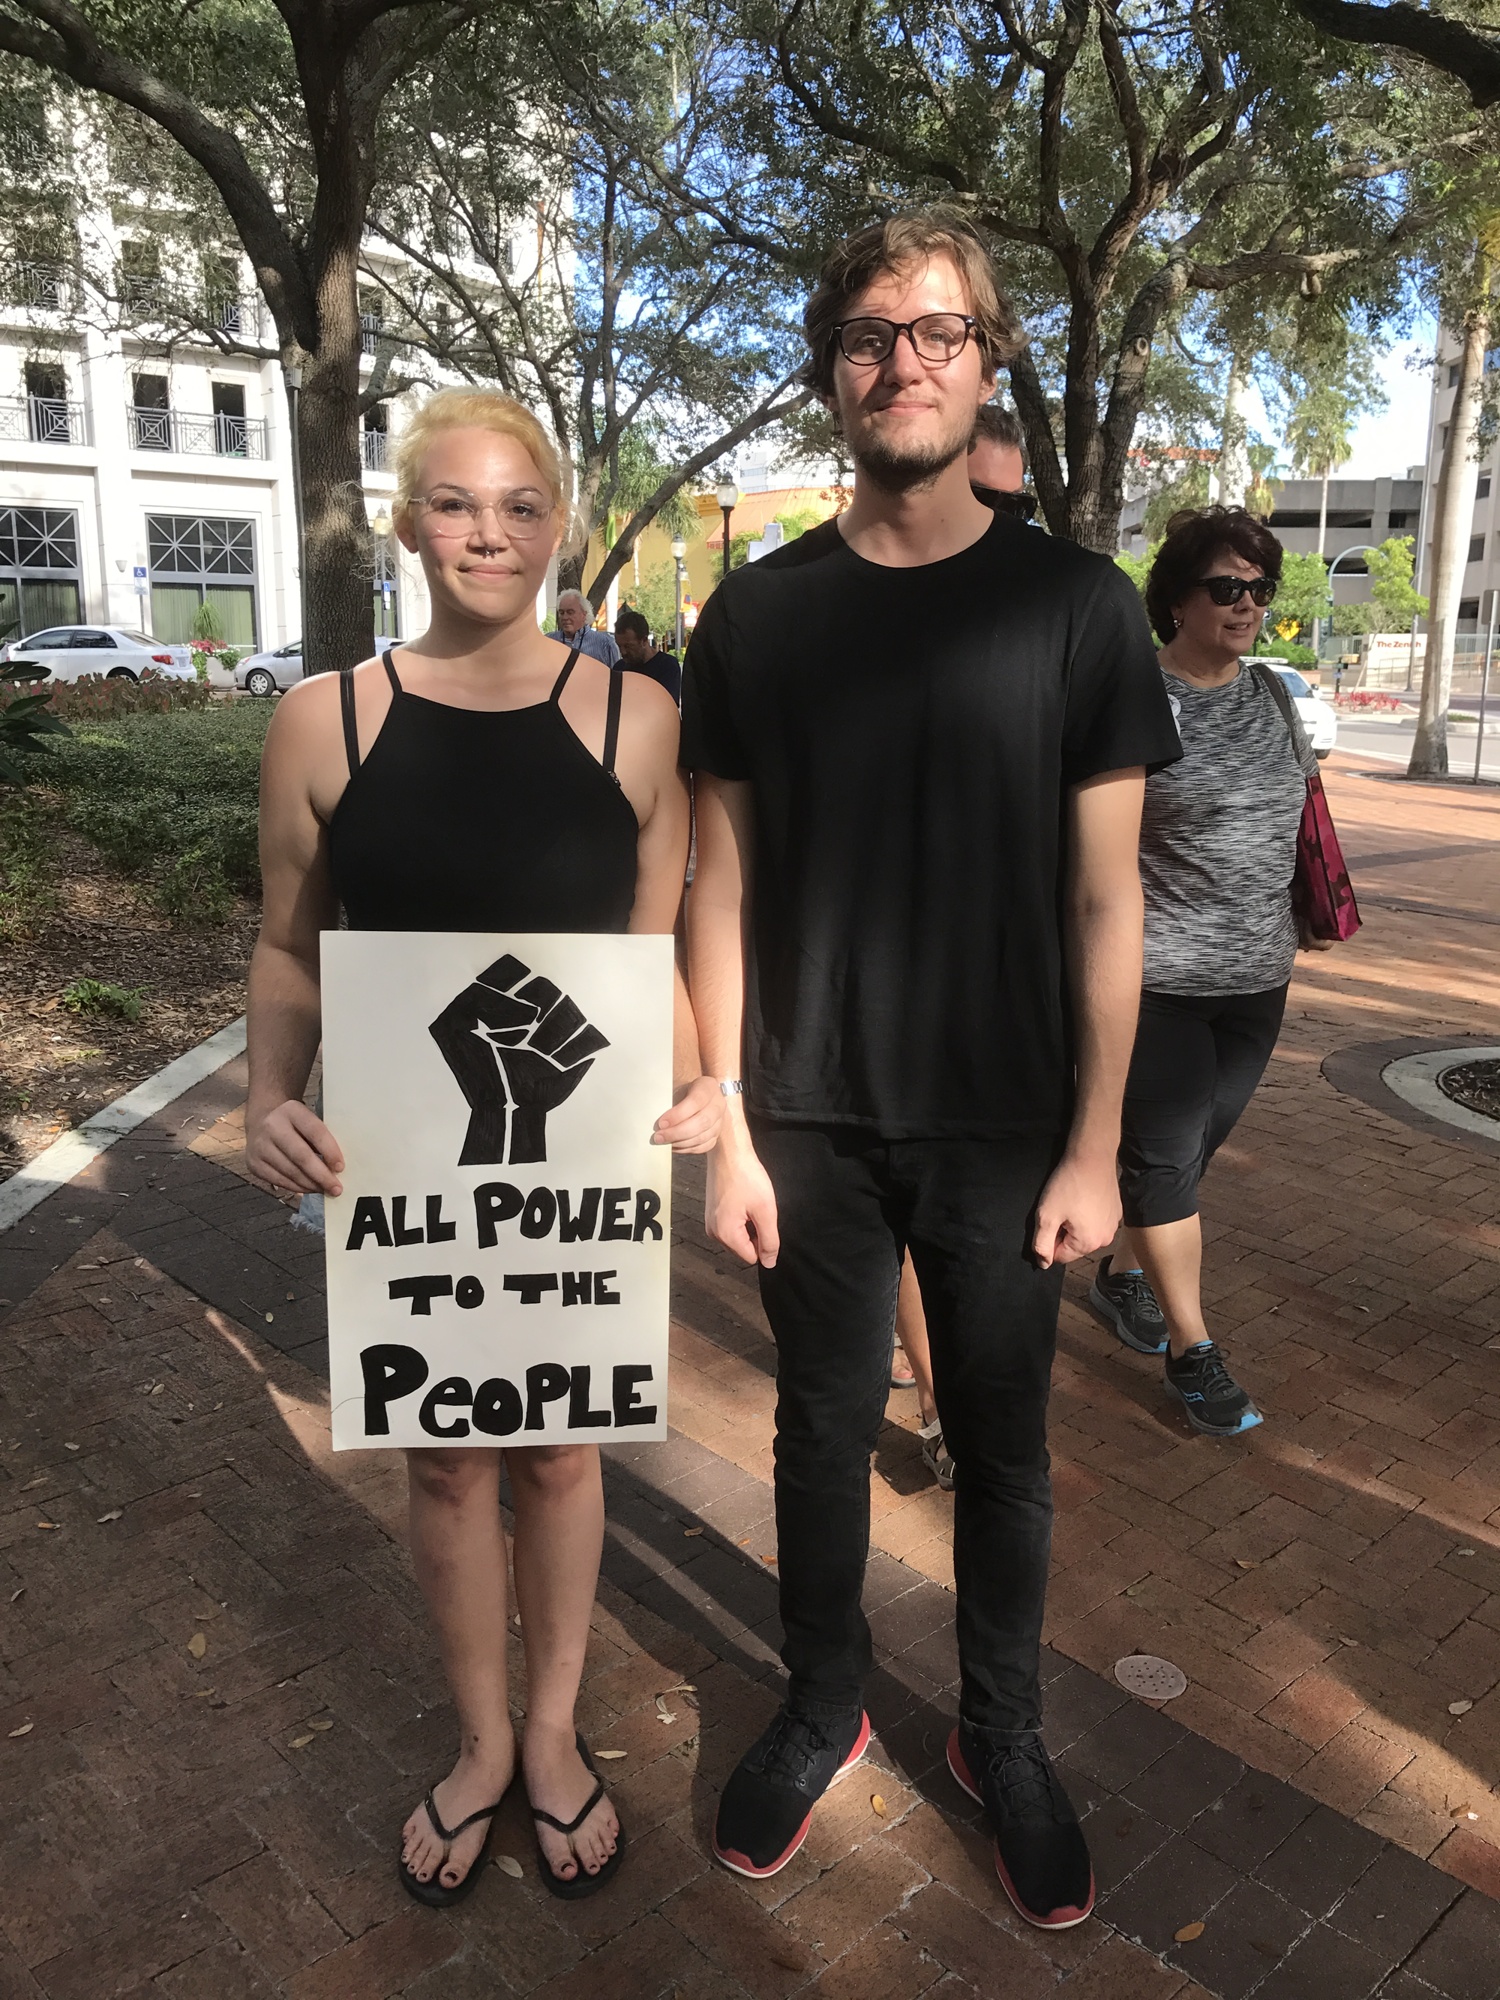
x=1230 y=589
x=1018 y=506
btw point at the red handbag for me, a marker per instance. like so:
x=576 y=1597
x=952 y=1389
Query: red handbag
x=1322 y=894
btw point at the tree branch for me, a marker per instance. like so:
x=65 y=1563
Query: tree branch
x=1469 y=54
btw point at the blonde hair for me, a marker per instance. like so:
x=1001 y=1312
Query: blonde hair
x=474 y=409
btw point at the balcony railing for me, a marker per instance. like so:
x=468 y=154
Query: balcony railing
x=375 y=450
x=232 y=315
x=42 y=420
x=370 y=329
x=215 y=436
x=37 y=287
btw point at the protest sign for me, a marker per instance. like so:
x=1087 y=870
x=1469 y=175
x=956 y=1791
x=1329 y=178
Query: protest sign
x=498 y=1259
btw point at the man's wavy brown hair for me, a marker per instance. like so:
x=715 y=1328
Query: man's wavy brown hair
x=893 y=246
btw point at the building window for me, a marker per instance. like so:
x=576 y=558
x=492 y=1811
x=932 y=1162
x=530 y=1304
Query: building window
x=371 y=318
x=1482 y=490
x=376 y=438
x=1452 y=374
x=39 y=573
x=140 y=279
x=1476 y=548
x=387 y=590
x=1397 y=520
x=221 y=284
x=197 y=560
x=1468 y=612
x=1442 y=437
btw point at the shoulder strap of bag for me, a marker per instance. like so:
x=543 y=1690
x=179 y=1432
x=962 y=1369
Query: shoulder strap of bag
x=1277 y=688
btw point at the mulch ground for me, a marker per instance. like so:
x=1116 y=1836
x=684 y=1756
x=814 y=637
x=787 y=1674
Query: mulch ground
x=58 y=1068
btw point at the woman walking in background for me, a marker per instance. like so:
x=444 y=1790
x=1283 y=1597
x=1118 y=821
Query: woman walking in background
x=476 y=779
x=1218 y=851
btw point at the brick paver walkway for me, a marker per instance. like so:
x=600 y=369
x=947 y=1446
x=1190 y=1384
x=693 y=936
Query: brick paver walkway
x=218 y=1698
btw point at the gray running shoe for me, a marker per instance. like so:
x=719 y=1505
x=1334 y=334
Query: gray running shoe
x=1126 y=1302
x=1213 y=1402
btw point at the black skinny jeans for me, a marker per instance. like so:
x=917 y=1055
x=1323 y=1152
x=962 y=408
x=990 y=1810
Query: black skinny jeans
x=1197 y=1060
x=848 y=1204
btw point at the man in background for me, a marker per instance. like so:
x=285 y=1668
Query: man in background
x=997 y=462
x=640 y=655
x=575 y=627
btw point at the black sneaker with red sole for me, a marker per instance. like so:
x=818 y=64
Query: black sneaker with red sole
x=1041 y=1856
x=768 y=1803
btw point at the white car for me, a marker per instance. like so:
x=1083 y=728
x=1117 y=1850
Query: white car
x=269 y=673
x=68 y=652
x=1316 y=715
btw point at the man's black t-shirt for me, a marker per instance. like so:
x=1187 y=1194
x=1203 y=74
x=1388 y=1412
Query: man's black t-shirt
x=910 y=735
x=663 y=667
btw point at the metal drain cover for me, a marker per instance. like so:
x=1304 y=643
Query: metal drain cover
x=1152 y=1679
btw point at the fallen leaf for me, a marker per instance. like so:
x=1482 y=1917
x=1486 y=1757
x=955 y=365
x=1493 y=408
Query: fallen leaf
x=291 y=1295
x=610 y=1754
x=682 y=1687
x=1459 y=1812
x=113 y=1515
x=663 y=1713
x=326 y=1723
x=1459 y=1707
x=40 y=1480
x=24 y=1730
x=198 y=1645
x=269 y=1318
x=690 y=1532
x=877 y=1804
x=1472 y=1815
x=1464 y=1552
x=157 y=1387
x=744 y=1542
x=1134 y=1589
x=1188 y=1933
x=299 y=1742
x=69 y=1447
x=770 y=1561
x=508 y=1865
x=18 y=1593
x=49 y=1524
x=1345 y=1640
x=1244 y=1562
x=202 y=1694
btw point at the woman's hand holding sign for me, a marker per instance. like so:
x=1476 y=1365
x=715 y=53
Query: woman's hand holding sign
x=290 y=1147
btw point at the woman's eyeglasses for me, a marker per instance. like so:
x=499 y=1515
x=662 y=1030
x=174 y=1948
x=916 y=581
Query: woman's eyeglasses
x=522 y=515
x=1230 y=589
x=935 y=337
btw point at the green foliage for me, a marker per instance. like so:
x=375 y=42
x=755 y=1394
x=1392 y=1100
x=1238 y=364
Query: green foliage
x=173 y=798
x=98 y=697
x=101 y=996
x=1390 y=568
x=26 y=723
x=1188 y=489
x=28 y=889
x=656 y=600
x=796 y=521
x=1138 y=568
x=1285 y=649
x=207 y=624
x=1349 y=620
x=1303 y=594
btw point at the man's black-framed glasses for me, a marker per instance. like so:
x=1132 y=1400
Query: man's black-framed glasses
x=935 y=337
x=1230 y=589
x=1017 y=505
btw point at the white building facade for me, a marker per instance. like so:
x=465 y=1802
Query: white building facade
x=142 y=476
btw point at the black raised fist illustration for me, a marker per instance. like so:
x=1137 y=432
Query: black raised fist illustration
x=517 y=1052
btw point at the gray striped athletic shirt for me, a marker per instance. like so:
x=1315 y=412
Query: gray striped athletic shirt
x=1219 y=842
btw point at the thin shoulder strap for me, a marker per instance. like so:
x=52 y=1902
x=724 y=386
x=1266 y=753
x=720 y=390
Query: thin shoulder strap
x=351 y=727
x=562 y=680
x=612 y=722
x=390 y=668
x=1277 y=689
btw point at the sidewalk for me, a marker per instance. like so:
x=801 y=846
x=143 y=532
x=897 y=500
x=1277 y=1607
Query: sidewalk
x=233 y=1700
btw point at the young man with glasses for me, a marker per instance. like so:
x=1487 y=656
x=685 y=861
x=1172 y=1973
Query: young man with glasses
x=918 y=736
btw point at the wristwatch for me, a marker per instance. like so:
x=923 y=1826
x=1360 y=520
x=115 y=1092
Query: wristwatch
x=732 y=1086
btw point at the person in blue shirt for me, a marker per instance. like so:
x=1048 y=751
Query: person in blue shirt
x=575 y=627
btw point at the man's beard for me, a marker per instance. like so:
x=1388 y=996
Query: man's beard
x=904 y=468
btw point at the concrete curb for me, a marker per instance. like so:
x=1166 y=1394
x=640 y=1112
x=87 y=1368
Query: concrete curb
x=75 y=1150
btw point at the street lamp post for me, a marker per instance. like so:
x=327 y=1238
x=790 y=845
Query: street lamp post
x=729 y=499
x=292 y=376
x=679 y=552
x=1358 y=549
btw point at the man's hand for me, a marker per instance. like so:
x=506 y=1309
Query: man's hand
x=740 y=1208
x=290 y=1147
x=693 y=1123
x=1079 y=1211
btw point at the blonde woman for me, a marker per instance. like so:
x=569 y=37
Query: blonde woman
x=470 y=780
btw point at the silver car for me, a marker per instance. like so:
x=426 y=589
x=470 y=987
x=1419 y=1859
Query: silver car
x=68 y=652
x=270 y=673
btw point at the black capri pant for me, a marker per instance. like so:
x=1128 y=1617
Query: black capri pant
x=1197 y=1060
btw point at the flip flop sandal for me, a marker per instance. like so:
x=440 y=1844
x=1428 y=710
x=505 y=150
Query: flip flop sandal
x=582 y=1884
x=436 y=1894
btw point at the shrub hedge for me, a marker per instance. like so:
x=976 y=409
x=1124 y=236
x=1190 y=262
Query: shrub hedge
x=172 y=797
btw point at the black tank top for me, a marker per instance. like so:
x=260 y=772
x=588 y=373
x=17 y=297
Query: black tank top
x=467 y=819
